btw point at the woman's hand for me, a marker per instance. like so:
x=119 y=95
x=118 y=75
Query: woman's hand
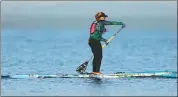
x=123 y=25
x=106 y=41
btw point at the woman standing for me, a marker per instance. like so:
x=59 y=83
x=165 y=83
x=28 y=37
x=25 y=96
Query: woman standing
x=96 y=30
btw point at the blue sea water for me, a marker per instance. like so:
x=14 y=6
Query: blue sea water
x=62 y=51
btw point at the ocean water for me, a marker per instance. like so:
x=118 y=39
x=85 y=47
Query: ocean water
x=49 y=51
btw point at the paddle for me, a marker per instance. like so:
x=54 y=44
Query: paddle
x=81 y=69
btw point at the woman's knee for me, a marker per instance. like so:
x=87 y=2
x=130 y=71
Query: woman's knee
x=98 y=57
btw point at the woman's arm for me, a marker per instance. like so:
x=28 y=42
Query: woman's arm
x=112 y=23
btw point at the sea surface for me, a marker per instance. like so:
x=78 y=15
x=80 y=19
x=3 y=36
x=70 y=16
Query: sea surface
x=50 y=51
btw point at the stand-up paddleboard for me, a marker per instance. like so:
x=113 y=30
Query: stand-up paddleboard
x=152 y=74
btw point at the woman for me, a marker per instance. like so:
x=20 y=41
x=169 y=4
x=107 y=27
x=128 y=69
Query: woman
x=96 y=31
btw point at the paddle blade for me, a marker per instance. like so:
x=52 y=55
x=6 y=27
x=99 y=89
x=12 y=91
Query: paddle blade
x=81 y=69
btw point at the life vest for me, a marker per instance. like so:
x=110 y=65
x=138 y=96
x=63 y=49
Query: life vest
x=93 y=27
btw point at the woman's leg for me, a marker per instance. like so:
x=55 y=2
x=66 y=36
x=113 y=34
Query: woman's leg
x=98 y=57
x=97 y=52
